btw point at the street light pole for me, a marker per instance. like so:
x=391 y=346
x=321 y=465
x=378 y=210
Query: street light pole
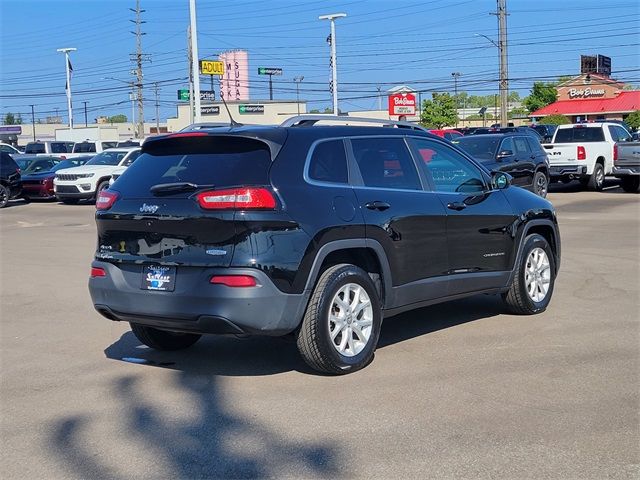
x=194 y=60
x=298 y=80
x=504 y=75
x=67 y=65
x=334 y=67
x=85 y=114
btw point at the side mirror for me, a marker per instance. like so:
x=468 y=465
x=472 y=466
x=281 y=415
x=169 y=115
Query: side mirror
x=504 y=154
x=500 y=180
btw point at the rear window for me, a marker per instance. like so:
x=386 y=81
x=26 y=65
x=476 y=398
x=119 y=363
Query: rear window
x=579 y=134
x=216 y=160
x=34 y=148
x=84 y=147
x=59 y=147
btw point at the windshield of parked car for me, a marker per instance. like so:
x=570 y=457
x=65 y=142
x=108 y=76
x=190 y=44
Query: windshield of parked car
x=41 y=165
x=479 y=146
x=107 y=158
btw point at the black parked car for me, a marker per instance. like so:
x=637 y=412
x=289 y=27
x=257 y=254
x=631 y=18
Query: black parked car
x=519 y=155
x=522 y=130
x=315 y=231
x=546 y=131
x=10 y=179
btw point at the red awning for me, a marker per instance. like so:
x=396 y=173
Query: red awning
x=623 y=103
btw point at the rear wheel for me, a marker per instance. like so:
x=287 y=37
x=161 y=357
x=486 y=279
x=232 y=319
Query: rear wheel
x=4 y=196
x=534 y=278
x=630 y=184
x=596 y=181
x=163 y=340
x=102 y=186
x=540 y=184
x=341 y=326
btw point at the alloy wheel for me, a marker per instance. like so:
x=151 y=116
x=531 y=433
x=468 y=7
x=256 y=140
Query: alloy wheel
x=350 y=320
x=542 y=185
x=537 y=275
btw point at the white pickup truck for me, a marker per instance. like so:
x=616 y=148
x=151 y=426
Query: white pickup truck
x=83 y=183
x=585 y=152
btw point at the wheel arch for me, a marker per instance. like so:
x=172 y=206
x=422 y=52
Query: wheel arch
x=548 y=230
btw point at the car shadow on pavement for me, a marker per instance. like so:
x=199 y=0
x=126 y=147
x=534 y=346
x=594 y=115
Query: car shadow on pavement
x=210 y=441
x=256 y=356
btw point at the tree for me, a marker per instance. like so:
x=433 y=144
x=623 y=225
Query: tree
x=633 y=120
x=542 y=94
x=120 y=118
x=439 y=112
x=556 y=120
x=9 y=119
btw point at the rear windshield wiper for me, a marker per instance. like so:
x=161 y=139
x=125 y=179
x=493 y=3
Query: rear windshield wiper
x=176 y=187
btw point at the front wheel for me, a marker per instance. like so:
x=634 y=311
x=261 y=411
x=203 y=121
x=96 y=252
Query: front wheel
x=163 y=340
x=534 y=278
x=341 y=326
x=596 y=181
x=541 y=184
x=630 y=184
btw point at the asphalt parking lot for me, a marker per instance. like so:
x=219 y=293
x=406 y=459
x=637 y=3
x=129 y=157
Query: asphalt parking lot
x=456 y=391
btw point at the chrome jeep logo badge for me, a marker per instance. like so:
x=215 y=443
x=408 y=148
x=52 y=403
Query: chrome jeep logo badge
x=148 y=208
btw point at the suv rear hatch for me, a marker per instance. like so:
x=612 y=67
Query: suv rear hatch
x=178 y=203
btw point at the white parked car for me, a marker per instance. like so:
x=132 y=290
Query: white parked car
x=83 y=183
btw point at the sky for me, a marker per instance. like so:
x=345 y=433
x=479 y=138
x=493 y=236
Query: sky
x=380 y=44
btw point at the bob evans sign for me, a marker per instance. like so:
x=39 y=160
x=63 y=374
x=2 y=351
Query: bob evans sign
x=402 y=104
x=586 y=92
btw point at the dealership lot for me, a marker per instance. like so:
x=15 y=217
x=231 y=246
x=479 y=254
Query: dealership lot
x=455 y=390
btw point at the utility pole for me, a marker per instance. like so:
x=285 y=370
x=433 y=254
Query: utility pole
x=194 y=60
x=85 y=114
x=155 y=85
x=379 y=88
x=298 y=80
x=33 y=123
x=334 y=67
x=139 y=58
x=190 y=57
x=69 y=69
x=504 y=74
x=455 y=76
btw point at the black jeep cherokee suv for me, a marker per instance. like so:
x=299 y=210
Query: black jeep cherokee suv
x=314 y=231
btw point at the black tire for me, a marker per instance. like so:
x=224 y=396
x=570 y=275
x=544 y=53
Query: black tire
x=163 y=340
x=630 y=184
x=4 y=196
x=102 y=186
x=540 y=184
x=517 y=298
x=313 y=338
x=70 y=201
x=596 y=180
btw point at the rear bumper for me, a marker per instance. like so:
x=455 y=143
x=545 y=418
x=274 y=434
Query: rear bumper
x=196 y=306
x=623 y=171
x=567 y=170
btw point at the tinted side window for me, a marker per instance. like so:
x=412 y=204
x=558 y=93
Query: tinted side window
x=623 y=135
x=58 y=147
x=535 y=146
x=386 y=163
x=507 y=144
x=447 y=169
x=84 y=147
x=522 y=147
x=132 y=158
x=329 y=162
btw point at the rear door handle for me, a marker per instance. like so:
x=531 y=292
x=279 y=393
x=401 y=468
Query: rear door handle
x=457 y=206
x=377 y=205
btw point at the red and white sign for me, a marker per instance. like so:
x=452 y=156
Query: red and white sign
x=402 y=104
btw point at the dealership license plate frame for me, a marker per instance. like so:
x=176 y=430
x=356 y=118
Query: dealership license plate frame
x=158 y=278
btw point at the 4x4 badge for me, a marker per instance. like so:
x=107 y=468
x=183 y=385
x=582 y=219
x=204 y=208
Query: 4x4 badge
x=148 y=208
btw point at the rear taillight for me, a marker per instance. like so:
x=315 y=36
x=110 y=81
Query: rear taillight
x=98 y=272
x=237 y=198
x=582 y=154
x=106 y=199
x=234 y=280
x=615 y=152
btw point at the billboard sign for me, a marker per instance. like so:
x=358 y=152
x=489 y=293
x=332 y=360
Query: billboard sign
x=211 y=67
x=234 y=84
x=210 y=110
x=206 y=95
x=269 y=71
x=402 y=104
x=250 y=109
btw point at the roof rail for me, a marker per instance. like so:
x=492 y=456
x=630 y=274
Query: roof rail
x=311 y=120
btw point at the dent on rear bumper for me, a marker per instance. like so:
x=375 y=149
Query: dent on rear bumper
x=196 y=305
